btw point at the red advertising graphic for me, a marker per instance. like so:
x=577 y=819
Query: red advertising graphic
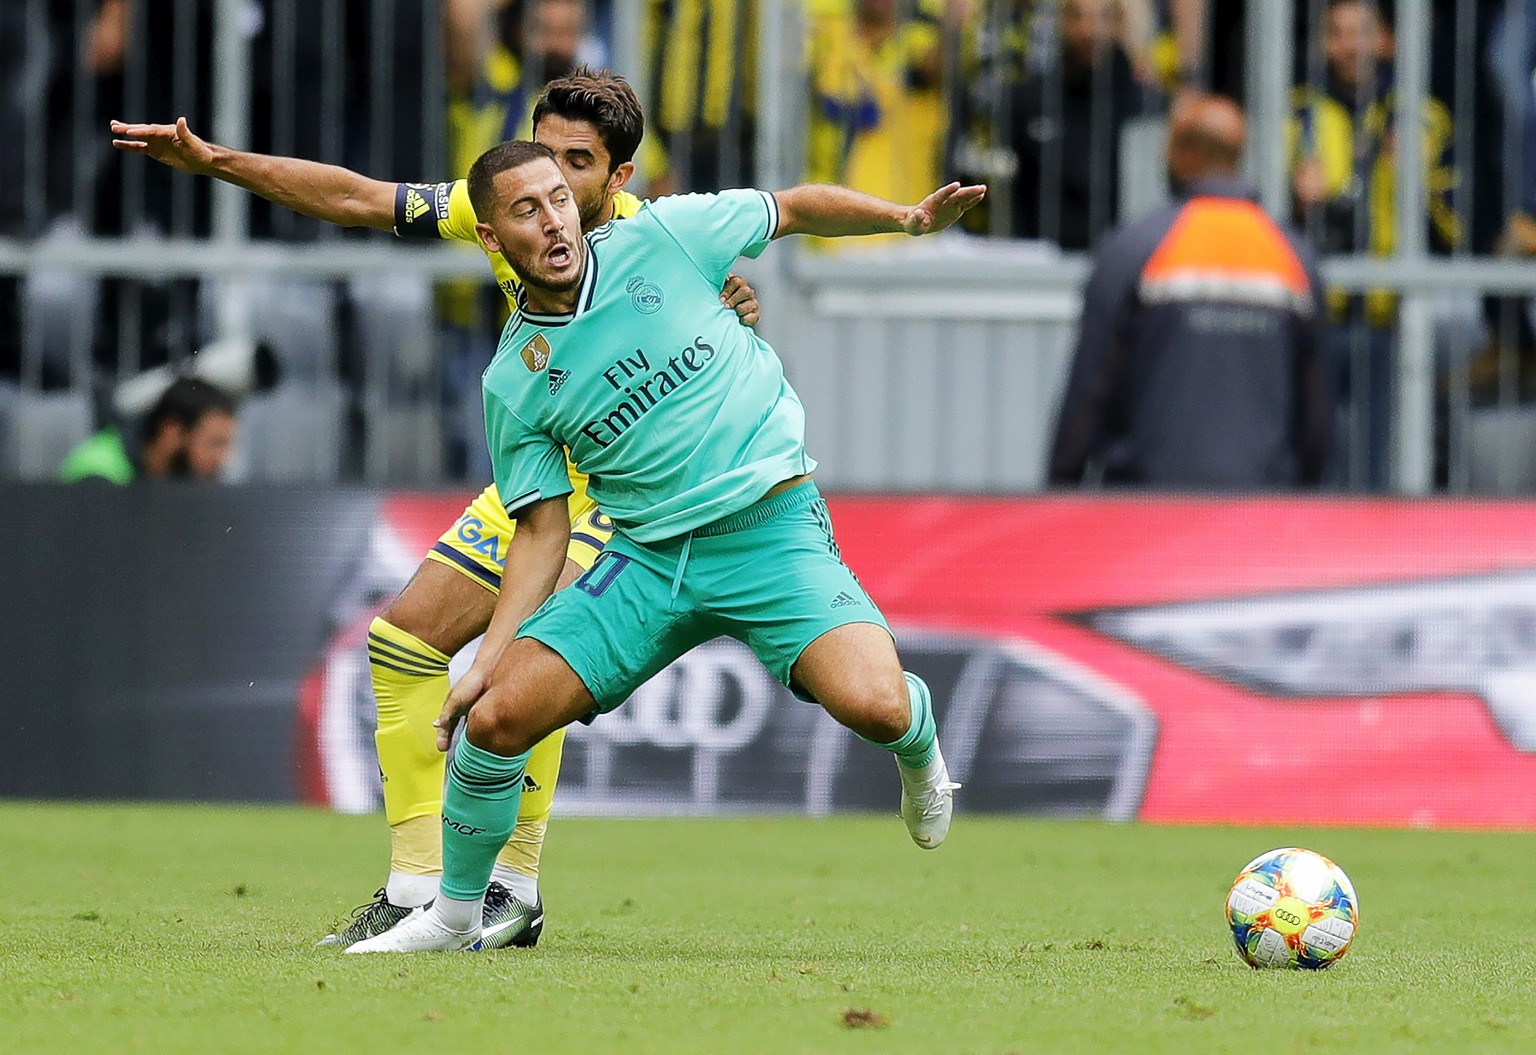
x=1175 y=660
x=1323 y=661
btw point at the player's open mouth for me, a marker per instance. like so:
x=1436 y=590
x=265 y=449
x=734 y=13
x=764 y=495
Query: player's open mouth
x=560 y=255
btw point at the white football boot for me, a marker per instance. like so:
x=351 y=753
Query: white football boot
x=422 y=931
x=927 y=799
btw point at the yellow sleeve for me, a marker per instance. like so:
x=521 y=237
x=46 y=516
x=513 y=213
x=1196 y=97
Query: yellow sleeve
x=460 y=221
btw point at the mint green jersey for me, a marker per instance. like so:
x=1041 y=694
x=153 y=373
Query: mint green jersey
x=678 y=413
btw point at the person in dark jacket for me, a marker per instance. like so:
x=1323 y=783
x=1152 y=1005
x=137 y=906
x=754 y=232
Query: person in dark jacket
x=1199 y=361
x=1064 y=127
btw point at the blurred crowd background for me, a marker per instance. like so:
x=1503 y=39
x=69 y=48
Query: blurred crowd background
x=1059 y=106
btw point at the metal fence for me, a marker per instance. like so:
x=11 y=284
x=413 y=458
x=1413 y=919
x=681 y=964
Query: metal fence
x=928 y=367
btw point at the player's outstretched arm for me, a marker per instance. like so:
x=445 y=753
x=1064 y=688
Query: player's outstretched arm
x=326 y=192
x=535 y=559
x=837 y=212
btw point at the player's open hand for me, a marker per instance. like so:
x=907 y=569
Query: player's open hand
x=742 y=299
x=172 y=145
x=941 y=209
x=465 y=694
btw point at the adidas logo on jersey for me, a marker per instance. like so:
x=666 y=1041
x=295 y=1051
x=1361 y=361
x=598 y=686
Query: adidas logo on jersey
x=843 y=600
x=557 y=379
x=415 y=205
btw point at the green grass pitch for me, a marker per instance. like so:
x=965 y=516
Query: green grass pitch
x=189 y=929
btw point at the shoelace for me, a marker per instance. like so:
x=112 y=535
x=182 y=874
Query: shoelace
x=935 y=802
x=379 y=901
x=496 y=896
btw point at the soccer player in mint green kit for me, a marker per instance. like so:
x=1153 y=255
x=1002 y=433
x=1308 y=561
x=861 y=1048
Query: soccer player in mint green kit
x=622 y=353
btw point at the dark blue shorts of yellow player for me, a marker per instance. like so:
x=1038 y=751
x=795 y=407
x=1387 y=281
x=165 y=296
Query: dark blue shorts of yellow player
x=769 y=576
x=476 y=544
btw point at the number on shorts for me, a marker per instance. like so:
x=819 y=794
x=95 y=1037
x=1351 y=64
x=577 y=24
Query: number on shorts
x=610 y=565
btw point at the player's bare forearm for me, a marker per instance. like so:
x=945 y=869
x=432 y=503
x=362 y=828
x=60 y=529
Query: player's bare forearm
x=839 y=212
x=829 y=211
x=326 y=192
x=535 y=559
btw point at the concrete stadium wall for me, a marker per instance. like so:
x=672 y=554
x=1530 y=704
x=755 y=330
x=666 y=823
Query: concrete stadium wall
x=949 y=383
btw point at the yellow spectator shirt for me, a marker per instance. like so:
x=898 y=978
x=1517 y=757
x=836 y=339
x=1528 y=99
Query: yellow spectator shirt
x=703 y=55
x=869 y=129
x=1355 y=149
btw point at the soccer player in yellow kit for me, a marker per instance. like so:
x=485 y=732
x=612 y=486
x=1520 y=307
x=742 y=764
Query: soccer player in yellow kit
x=594 y=124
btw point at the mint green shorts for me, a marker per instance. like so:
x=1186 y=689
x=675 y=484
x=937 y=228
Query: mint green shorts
x=769 y=576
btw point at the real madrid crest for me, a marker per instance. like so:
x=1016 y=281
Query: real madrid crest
x=645 y=296
x=536 y=353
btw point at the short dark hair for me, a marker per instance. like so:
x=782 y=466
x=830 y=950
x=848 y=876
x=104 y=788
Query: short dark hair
x=604 y=100
x=502 y=157
x=187 y=401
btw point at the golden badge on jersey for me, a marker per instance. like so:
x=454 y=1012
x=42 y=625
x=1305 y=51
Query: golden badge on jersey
x=536 y=353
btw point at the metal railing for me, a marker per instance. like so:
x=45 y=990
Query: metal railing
x=202 y=249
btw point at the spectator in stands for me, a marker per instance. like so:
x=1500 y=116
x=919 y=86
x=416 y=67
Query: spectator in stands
x=702 y=56
x=1511 y=59
x=1064 y=124
x=1342 y=145
x=188 y=434
x=1210 y=45
x=877 y=112
x=1199 y=360
x=1501 y=176
x=493 y=93
x=994 y=55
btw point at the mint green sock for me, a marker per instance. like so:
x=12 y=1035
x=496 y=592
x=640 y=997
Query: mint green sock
x=479 y=812
x=915 y=748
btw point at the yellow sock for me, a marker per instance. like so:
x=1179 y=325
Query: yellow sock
x=410 y=683
x=521 y=854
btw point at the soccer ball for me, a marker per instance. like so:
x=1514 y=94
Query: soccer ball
x=1292 y=908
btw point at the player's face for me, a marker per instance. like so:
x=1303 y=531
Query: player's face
x=536 y=226
x=209 y=444
x=586 y=162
